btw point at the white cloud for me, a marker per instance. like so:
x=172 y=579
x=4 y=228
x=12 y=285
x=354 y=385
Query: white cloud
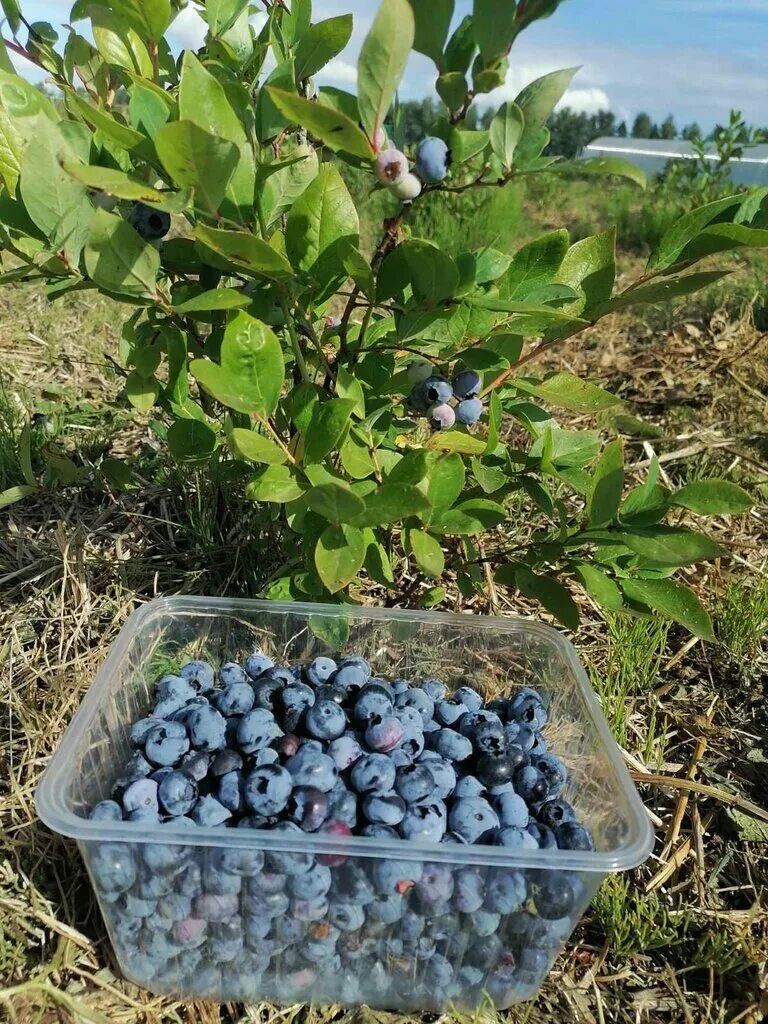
x=586 y=101
x=338 y=72
x=188 y=30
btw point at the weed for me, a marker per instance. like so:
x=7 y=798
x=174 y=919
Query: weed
x=741 y=620
x=635 y=922
x=635 y=652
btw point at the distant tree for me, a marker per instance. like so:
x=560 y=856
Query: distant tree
x=655 y=131
x=642 y=127
x=572 y=130
x=691 y=131
x=621 y=131
x=669 y=128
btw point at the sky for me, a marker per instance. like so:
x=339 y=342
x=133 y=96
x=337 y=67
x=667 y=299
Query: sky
x=696 y=59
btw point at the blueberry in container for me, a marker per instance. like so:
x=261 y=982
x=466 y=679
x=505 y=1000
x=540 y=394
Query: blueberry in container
x=196 y=909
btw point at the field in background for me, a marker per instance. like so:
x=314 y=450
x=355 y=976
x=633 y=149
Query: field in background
x=683 y=939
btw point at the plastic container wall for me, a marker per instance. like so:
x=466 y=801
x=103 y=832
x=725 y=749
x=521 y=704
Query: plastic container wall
x=228 y=915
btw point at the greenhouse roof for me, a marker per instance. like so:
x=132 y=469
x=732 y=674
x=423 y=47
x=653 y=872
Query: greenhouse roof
x=666 y=149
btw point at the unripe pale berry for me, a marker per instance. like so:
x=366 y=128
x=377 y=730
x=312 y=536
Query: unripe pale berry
x=407 y=189
x=418 y=372
x=442 y=417
x=391 y=167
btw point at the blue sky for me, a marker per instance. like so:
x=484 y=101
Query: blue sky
x=694 y=58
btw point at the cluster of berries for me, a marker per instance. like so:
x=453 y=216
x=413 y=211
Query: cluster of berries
x=432 y=394
x=330 y=750
x=433 y=158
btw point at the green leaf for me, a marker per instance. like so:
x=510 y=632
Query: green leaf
x=250 y=376
x=222 y=14
x=633 y=426
x=494 y=25
x=339 y=556
x=427 y=552
x=668 y=545
x=203 y=101
x=216 y=298
x=58 y=205
x=537 y=101
x=118 y=259
x=356 y=457
x=321 y=43
x=284 y=186
x=544 y=589
x=320 y=229
x=377 y=561
x=253 y=447
x=607 y=485
x=141 y=391
x=382 y=61
x=465 y=144
x=349 y=387
x=663 y=290
x=277 y=484
x=506 y=131
x=119 y=44
x=567 y=391
x=490 y=478
x=358 y=268
x=249 y=253
x=117 y=183
x=494 y=422
x=452 y=89
x=534 y=265
x=461 y=48
x=432 y=22
x=647 y=504
x=589 y=266
x=12 y=143
x=600 y=587
x=477 y=515
x=335 y=503
x=723 y=238
x=14 y=494
x=190 y=440
x=150 y=18
x=445 y=482
x=615 y=167
x=334 y=129
x=677 y=237
x=12 y=11
x=328 y=423
x=673 y=601
x=197 y=159
x=433 y=273
x=456 y=441
x=391 y=503
x=109 y=125
x=713 y=498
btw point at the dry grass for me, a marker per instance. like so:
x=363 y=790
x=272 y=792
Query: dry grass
x=683 y=940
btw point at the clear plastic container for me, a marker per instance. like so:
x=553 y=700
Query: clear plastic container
x=249 y=938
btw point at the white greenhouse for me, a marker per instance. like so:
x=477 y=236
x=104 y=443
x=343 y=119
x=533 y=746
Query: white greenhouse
x=652 y=156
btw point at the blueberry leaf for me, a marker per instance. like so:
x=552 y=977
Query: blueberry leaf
x=321 y=43
x=427 y=551
x=118 y=260
x=339 y=555
x=254 y=447
x=382 y=61
x=713 y=498
x=190 y=440
x=333 y=128
x=607 y=484
x=673 y=601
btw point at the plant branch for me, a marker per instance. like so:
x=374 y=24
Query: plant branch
x=264 y=421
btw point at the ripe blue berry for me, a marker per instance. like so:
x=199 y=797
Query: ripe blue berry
x=325 y=720
x=432 y=160
x=166 y=743
x=199 y=674
x=472 y=818
x=152 y=224
x=267 y=790
x=256 y=730
x=373 y=773
x=177 y=793
x=467 y=384
x=469 y=411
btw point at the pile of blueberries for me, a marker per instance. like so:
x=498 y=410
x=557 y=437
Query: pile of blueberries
x=328 y=749
x=431 y=395
x=433 y=160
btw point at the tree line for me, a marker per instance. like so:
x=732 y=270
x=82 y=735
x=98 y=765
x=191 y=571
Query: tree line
x=570 y=130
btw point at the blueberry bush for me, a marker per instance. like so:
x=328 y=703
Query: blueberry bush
x=363 y=398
